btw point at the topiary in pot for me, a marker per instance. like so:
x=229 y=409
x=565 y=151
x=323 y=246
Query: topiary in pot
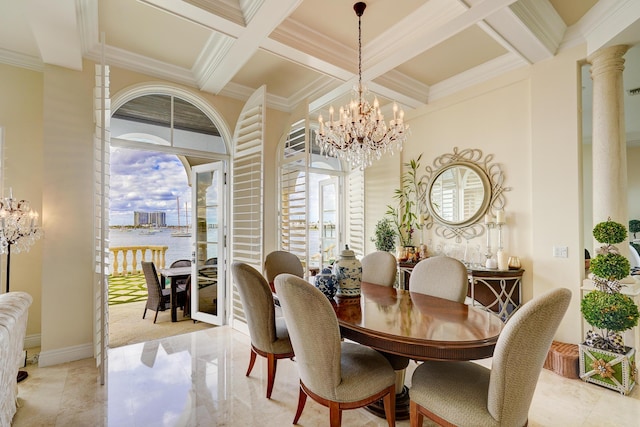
x=606 y=308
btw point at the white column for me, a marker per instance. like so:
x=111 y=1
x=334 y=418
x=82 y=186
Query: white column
x=609 y=144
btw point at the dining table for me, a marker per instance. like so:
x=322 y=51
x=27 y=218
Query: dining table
x=418 y=326
x=174 y=274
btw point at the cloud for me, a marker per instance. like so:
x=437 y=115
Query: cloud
x=146 y=181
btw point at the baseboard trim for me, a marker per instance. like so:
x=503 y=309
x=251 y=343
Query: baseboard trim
x=64 y=355
x=31 y=341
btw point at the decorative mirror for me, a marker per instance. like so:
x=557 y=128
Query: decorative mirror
x=462 y=187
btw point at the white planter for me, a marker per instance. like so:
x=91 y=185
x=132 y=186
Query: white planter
x=608 y=369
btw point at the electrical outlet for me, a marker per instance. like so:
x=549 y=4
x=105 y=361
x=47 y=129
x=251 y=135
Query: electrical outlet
x=560 y=252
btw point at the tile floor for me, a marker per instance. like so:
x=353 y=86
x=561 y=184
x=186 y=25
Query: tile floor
x=197 y=379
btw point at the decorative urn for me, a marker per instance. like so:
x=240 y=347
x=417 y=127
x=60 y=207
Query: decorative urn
x=326 y=282
x=348 y=272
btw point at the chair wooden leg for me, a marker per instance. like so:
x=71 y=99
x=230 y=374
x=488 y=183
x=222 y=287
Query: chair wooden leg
x=302 y=399
x=390 y=406
x=145 y=312
x=252 y=362
x=156 y=316
x=416 y=418
x=335 y=414
x=272 y=364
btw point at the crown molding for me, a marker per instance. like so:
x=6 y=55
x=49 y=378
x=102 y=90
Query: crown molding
x=116 y=57
x=213 y=53
x=606 y=19
x=542 y=20
x=19 y=60
x=481 y=73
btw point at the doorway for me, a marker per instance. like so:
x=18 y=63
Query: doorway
x=165 y=133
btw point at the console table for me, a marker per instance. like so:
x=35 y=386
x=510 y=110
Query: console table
x=496 y=290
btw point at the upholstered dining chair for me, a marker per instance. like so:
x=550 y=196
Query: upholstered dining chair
x=269 y=335
x=440 y=276
x=379 y=267
x=466 y=393
x=337 y=374
x=278 y=262
x=158 y=299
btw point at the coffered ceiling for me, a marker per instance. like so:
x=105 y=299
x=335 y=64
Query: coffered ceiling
x=414 y=51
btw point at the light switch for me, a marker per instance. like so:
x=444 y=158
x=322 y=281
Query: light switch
x=560 y=252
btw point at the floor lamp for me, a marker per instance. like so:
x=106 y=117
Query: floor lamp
x=19 y=229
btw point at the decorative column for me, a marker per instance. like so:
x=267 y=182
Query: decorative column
x=609 y=145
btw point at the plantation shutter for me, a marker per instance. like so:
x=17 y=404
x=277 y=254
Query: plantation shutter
x=293 y=193
x=355 y=212
x=102 y=117
x=247 y=224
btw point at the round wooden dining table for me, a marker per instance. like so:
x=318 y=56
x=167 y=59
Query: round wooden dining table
x=418 y=326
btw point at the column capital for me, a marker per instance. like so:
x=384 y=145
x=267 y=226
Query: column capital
x=607 y=59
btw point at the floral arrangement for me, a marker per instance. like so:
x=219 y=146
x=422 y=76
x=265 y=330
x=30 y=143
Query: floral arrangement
x=606 y=308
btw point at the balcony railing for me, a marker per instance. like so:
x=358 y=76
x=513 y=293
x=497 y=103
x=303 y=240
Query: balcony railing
x=126 y=259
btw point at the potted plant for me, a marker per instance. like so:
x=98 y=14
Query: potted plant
x=405 y=215
x=604 y=359
x=385 y=236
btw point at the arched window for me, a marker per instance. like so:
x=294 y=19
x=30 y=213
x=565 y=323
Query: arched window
x=321 y=203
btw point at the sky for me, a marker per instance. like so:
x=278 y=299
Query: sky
x=149 y=182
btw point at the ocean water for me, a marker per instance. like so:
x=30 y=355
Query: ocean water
x=178 y=247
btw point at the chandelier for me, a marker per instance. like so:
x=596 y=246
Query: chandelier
x=19 y=228
x=359 y=135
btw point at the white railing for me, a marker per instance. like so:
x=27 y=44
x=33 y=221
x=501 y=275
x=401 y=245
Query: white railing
x=126 y=259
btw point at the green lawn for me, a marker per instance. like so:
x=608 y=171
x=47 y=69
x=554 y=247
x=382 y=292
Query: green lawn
x=124 y=289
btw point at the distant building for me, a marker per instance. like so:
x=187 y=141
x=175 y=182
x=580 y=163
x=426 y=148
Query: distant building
x=151 y=219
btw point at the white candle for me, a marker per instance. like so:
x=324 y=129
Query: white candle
x=488 y=219
x=503 y=263
x=500 y=217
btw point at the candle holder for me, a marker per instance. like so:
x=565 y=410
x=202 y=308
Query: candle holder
x=490 y=225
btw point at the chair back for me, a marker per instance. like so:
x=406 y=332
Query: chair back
x=181 y=263
x=258 y=305
x=153 y=284
x=520 y=354
x=442 y=277
x=379 y=267
x=314 y=332
x=278 y=262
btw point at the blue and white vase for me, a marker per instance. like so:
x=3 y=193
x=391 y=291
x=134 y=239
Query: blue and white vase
x=348 y=272
x=326 y=283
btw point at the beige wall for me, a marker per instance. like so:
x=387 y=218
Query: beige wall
x=528 y=120
x=21 y=117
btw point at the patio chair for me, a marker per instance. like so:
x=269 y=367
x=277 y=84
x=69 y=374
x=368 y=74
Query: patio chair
x=158 y=299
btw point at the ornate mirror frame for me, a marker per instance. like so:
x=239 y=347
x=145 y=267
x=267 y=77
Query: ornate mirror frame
x=492 y=178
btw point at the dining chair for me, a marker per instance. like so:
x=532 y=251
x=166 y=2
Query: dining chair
x=466 y=393
x=337 y=374
x=440 y=276
x=269 y=335
x=278 y=262
x=379 y=267
x=158 y=299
